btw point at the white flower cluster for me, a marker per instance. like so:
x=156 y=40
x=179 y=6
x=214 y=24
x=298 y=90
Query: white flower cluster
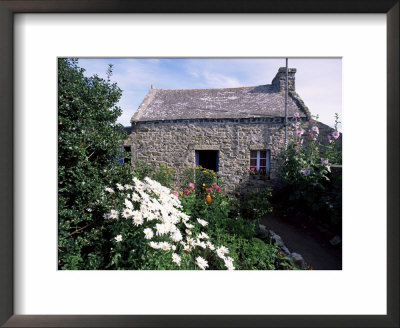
x=148 y=201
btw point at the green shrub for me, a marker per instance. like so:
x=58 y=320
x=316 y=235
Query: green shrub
x=256 y=204
x=202 y=178
x=163 y=174
x=305 y=169
x=253 y=253
x=89 y=142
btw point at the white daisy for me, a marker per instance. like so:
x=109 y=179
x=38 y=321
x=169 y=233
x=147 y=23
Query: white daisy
x=149 y=216
x=210 y=245
x=128 y=187
x=120 y=186
x=202 y=263
x=118 y=238
x=137 y=221
x=176 y=258
x=222 y=251
x=190 y=241
x=128 y=204
x=203 y=235
x=135 y=197
x=113 y=214
x=161 y=229
x=165 y=246
x=127 y=213
x=202 y=244
x=148 y=233
x=154 y=245
x=202 y=222
x=139 y=188
x=176 y=236
x=136 y=214
x=111 y=191
x=229 y=263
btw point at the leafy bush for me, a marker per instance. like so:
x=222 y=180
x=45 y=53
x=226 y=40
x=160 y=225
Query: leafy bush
x=163 y=174
x=202 y=178
x=88 y=149
x=256 y=204
x=305 y=168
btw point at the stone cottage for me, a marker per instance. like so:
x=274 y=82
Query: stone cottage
x=226 y=130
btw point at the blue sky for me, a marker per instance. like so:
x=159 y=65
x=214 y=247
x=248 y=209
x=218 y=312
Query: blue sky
x=318 y=81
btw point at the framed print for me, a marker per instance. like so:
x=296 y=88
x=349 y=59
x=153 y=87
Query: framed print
x=35 y=292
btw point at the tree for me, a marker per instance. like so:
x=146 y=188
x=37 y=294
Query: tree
x=88 y=146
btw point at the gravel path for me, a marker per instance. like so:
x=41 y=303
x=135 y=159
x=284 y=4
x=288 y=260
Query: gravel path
x=310 y=243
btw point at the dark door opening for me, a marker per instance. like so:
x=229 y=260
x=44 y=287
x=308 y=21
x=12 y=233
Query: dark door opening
x=209 y=159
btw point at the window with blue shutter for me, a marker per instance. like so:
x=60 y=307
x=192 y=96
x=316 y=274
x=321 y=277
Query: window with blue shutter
x=209 y=159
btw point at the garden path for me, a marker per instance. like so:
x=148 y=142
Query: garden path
x=310 y=243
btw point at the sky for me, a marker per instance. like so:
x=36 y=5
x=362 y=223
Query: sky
x=318 y=80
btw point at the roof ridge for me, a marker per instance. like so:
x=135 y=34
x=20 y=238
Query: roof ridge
x=199 y=89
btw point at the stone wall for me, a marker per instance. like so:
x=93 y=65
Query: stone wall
x=175 y=142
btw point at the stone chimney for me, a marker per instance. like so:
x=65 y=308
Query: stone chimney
x=280 y=77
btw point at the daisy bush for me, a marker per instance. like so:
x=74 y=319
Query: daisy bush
x=149 y=230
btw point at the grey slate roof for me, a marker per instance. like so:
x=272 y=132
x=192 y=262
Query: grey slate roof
x=244 y=102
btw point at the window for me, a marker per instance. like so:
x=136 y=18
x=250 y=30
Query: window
x=259 y=159
x=127 y=159
x=209 y=159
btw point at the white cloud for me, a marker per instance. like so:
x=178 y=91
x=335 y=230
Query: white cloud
x=216 y=80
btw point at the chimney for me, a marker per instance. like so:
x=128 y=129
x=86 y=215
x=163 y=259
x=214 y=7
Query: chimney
x=279 y=79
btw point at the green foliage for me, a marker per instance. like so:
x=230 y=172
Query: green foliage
x=227 y=228
x=163 y=174
x=142 y=170
x=256 y=204
x=252 y=253
x=201 y=177
x=306 y=170
x=88 y=146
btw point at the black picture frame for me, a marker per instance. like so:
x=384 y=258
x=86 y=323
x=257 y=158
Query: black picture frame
x=10 y=7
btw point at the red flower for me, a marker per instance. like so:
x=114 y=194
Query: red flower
x=218 y=188
x=187 y=192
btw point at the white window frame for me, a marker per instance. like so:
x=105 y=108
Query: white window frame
x=267 y=159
